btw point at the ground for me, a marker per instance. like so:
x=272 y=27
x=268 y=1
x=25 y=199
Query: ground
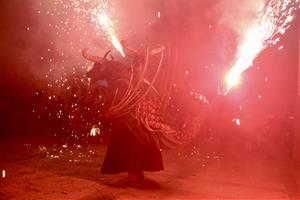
x=73 y=172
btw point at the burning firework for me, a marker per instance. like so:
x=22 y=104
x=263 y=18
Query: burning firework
x=66 y=100
x=102 y=18
x=274 y=18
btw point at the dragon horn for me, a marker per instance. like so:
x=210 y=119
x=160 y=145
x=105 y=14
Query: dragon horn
x=96 y=59
x=106 y=54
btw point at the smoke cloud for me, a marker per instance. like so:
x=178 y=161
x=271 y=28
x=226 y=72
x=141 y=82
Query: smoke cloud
x=237 y=15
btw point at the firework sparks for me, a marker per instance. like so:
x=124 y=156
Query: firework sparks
x=74 y=24
x=107 y=24
x=274 y=19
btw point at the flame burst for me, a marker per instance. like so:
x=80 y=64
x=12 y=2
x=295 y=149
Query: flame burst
x=275 y=18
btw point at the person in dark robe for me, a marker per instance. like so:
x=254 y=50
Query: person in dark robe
x=125 y=153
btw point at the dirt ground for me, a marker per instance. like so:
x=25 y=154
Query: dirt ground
x=56 y=172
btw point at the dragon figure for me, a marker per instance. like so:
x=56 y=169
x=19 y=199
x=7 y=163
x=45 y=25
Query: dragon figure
x=137 y=93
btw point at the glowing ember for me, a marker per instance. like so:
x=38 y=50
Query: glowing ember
x=274 y=19
x=107 y=25
x=94 y=131
x=237 y=121
x=3 y=174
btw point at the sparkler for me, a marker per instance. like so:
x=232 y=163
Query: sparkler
x=274 y=19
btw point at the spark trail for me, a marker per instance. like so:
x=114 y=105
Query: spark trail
x=274 y=19
x=106 y=23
